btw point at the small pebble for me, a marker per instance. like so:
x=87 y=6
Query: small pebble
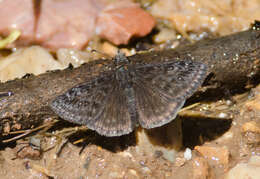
x=222 y=115
x=187 y=154
x=246 y=170
x=228 y=102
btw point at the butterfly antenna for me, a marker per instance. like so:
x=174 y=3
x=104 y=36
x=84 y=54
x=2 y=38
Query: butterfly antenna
x=101 y=53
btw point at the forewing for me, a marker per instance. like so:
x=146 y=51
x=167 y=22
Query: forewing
x=161 y=89
x=99 y=104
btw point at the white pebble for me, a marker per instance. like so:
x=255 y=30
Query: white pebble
x=222 y=115
x=187 y=154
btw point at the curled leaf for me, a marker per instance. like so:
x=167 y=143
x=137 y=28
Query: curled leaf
x=13 y=36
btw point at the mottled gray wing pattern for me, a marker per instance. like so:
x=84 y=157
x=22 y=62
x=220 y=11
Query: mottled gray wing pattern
x=161 y=89
x=99 y=104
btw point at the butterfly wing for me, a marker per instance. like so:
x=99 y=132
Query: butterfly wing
x=99 y=104
x=161 y=89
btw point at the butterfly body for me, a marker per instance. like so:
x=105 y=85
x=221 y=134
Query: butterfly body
x=130 y=94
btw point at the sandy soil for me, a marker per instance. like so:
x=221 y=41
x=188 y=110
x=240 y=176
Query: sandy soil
x=217 y=145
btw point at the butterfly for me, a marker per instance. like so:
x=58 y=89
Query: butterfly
x=129 y=94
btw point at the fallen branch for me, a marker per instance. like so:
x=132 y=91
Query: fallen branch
x=233 y=60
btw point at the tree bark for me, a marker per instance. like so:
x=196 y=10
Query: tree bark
x=232 y=61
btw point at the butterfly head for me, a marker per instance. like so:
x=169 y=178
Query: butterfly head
x=120 y=59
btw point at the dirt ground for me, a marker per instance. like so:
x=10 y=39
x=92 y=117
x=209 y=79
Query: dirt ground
x=217 y=145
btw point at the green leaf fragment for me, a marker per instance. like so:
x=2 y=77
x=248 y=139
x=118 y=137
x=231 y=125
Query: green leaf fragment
x=13 y=36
